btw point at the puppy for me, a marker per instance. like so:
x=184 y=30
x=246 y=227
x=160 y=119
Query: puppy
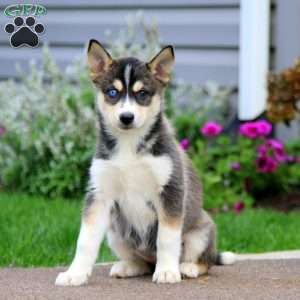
x=143 y=193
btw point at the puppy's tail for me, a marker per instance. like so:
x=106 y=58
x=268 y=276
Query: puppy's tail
x=225 y=258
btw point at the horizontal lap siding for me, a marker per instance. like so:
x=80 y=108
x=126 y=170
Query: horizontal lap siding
x=128 y=3
x=205 y=33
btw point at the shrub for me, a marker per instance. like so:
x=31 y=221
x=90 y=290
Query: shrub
x=49 y=131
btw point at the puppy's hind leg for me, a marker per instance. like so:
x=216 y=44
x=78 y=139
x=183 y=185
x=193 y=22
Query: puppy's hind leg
x=198 y=251
x=130 y=265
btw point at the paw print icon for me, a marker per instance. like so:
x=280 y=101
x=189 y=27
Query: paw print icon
x=24 y=32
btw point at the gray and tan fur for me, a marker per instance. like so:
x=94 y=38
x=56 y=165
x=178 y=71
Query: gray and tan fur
x=144 y=194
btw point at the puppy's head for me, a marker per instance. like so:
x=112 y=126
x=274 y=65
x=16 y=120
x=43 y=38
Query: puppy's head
x=129 y=91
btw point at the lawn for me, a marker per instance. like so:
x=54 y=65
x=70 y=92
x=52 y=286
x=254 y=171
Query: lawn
x=39 y=232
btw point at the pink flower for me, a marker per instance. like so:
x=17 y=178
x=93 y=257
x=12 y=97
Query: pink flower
x=264 y=127
x=266 y=164
x=185 y=143
x=275 y=144
x=211 y=128
x=2 y=130
x=280 y=155
x=250 y=130
x=273 y=147
x=235 y=165
x=239 y=206
x=256 y=129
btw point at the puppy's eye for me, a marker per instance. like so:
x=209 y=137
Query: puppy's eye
x=142 y=95
x=112 y=93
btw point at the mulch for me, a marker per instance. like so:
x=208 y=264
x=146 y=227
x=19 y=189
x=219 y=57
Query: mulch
x=285 y=202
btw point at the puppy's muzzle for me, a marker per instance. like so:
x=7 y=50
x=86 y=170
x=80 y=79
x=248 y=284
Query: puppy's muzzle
x=126 y=119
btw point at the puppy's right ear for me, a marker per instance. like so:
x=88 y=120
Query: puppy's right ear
x=98 y=59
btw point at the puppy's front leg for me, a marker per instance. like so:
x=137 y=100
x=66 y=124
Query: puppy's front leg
x=168 y=251
x=93 y=227
x=169 y=207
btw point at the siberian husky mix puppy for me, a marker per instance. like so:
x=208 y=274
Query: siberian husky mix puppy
x=144 y=193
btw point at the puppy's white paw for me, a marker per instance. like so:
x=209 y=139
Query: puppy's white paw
x=166 y=276
x=71 y=278
x=128 y=268
x=192 y=270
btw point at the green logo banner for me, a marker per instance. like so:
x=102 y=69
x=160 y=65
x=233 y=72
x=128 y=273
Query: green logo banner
x=25 y=10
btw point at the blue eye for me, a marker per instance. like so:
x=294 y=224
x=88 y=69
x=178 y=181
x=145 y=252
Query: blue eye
x=113 y=93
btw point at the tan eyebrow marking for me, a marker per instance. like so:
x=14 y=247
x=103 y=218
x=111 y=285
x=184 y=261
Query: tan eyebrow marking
x=138 y=85
x=118 y=85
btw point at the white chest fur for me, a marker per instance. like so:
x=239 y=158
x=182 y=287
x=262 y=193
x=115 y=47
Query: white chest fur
x=133 y=180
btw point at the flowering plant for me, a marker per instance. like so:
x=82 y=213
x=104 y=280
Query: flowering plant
x=238 y=171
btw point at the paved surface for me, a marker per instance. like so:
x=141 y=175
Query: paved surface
x=269 y=279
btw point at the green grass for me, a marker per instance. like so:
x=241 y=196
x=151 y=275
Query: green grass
x=39 y=232
x=258 y=230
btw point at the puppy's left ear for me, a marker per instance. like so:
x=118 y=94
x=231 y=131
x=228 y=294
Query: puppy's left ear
x=98 y=59
x=161 y=65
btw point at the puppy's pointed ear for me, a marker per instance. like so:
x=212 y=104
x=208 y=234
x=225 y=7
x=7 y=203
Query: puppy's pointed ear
x=161 y=65
x=98 y=59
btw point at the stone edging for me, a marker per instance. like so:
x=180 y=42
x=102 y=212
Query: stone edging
x=292 y=254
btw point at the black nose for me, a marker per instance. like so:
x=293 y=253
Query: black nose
x=126 y=118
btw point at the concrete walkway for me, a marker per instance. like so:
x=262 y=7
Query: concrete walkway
x=262 y=279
